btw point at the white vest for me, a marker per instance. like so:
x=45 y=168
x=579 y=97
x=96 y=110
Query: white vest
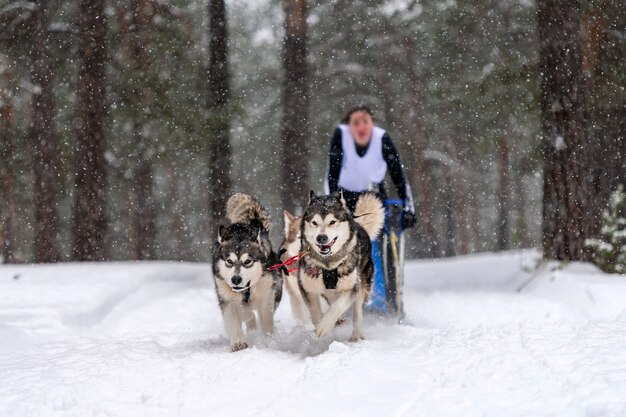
x=357 y=173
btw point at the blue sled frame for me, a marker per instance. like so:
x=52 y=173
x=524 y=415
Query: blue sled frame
x=388 y=254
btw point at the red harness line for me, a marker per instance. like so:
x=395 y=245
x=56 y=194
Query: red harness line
x=288 y=262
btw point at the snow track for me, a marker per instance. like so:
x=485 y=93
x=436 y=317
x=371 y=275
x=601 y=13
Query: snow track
x=146 y=339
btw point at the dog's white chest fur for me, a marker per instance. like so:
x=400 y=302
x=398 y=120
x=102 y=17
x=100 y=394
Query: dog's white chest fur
x=262 y=292
x=347 y=282
x=314 y=282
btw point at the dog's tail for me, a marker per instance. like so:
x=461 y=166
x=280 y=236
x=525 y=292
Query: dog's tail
x=242 y=208
x=370 y=214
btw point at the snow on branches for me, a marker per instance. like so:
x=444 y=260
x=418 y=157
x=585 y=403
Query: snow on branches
x=609 y=251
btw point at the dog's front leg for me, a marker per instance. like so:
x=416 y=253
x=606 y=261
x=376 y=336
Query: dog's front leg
x=298 y=306
x=266 y=315
x=311 y=288
x=313 y=302
x=250 y=320
x=334 y=313
x=357 y=316
x=232 y=320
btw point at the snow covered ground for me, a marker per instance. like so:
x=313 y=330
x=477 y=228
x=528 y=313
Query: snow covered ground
x=486 y=335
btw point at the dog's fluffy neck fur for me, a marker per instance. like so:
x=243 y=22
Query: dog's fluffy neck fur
x=336 y=259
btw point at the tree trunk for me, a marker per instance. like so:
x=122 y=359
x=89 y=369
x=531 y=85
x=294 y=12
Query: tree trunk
x=144 y=213
x=219 y=95
x=8 y=204
x=473 y=203
x=605 y=117
x=46 y=245
x=464 y=240
x=129 y=216
x=593 y=28
x=609 y=155
x=459 y=186
x=424 y=192
x=521 y=229
x=90 y=192
x=504 y=193
x=295 y=129
x=566 y=189
x=451 y=226
x=176 y=225
x=617 y=119
x=144 y=208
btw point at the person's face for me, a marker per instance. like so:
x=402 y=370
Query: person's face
x=361 y=125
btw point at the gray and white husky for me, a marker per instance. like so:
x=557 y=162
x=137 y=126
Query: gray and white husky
x=338 y=265
x=243 y=283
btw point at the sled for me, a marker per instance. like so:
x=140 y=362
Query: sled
x=388 y=255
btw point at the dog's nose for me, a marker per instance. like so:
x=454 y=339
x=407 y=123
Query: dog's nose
x=322 y=239
x=236 y=280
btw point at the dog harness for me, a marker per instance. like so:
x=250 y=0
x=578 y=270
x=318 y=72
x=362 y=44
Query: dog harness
x=330 y=279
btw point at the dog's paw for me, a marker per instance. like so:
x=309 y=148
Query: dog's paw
x=324 y=327
x=237 y=346
x=340 y=322
x=356 y=337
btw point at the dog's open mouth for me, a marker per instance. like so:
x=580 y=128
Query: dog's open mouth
x=241 y=288
x=326 y=249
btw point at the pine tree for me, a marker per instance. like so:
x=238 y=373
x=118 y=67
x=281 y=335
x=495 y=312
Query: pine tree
x=218 y=107
x=8 y=203
x=144 y=207
x=91 y=178
x=609 y=250
x=566 y=188
x=504 y=192
x=43 y=137
x=295 y=129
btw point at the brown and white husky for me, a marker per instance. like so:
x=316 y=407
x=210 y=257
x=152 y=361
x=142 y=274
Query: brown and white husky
x=338 y=264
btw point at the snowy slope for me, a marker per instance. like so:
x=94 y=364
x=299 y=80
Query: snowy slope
x=487 y=335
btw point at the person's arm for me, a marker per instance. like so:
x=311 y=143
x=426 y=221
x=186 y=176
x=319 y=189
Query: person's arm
x=394 y=165
x=335 y=155
x=396 y=170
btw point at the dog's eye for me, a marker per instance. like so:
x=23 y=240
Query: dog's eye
x=332 y=222
x=248 y=262
x=314 y=223
x=229 y=262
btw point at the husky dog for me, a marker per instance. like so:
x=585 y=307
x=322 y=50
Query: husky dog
x=338 y=265
x=291 y=247
x=241 y=257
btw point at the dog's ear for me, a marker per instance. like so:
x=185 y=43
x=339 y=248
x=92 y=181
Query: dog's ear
x=220 y=234
x=311 y=195
x=258 y=236
x=343 y=200
x=288 y=220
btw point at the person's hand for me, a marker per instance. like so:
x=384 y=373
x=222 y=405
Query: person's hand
x=409 y=219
